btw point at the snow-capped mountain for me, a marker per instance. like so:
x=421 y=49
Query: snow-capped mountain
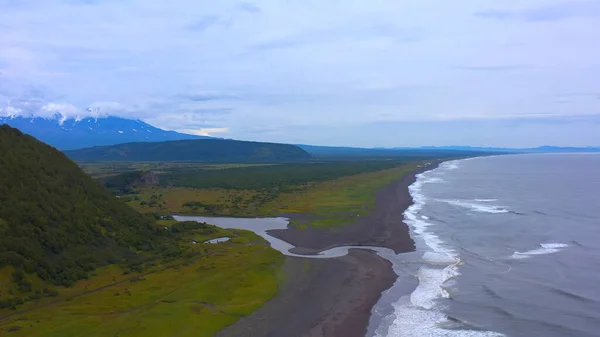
x=74 y=133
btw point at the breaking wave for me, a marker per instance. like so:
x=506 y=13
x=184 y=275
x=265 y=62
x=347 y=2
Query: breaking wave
x=546 y=248
x=421 y=313
x=476 y=207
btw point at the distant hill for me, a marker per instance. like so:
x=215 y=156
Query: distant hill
x=69 y=134
x=201 y=150
x=432 y=151
x=57 y=223
x=541 y=149
x=413 y=153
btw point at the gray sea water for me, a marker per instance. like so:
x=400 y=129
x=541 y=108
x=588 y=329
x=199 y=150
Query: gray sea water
x=506 y=245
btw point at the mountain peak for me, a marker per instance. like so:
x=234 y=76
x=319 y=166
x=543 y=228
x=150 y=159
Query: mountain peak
x=80 y=132
x=95 y=112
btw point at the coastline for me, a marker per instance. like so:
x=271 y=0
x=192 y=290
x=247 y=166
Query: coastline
x=384 y=227
x=321 y=298
x=334 y=297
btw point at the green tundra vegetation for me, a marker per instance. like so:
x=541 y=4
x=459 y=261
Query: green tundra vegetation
x=195 y=296
x=75 y=260
x=251 y=191
x=201 y=150
x=331 y=192
x=279 y=177
x=340 y=201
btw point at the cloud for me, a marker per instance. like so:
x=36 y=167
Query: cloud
x=579 y=94
x=208 y=96
x=311 y=70
x=278 y=43
x=10 y=111
x=327 y=35
x=206 y=131
x=494 y=68
x=52 y=108
x=203 y=23
x=248 y=7
x=496 y=14
x=551 y=12
x=214 y=111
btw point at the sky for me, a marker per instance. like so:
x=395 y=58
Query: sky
x=387 y=73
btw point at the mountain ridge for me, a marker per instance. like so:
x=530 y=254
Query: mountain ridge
x=200 y=150
x=100 y=129
x=321 y=151
x=539 y=149
x=75 y=133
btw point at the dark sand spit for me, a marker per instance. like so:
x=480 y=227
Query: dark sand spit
x=334 y=297
x=321 y=297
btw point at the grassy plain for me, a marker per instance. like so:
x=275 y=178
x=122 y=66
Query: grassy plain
x=336 y=202
x=181 y=200
x=186 y=297
x=328 y=203
x=107 y=169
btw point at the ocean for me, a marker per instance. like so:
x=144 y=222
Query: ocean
x=506 y=246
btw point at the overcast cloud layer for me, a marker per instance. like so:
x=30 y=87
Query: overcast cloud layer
x=367 y=73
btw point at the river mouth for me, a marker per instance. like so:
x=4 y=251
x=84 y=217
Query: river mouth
x=403 y=264
x=261 y=226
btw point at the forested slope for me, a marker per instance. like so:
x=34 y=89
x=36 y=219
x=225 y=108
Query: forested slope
x=201 y=150
x=55 y=221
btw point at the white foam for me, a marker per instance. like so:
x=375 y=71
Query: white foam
x=450 y=165
x=428 y=290
x=411 y=321
x=417 y=222
x=486 y=200
x=439 y=258
x=554 y=245
x=476 y=207
x=546 y=248
x=432 y=180
x=420 y=313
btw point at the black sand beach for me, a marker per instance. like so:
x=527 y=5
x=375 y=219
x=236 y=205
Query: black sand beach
x=321 y=297
x=384 y=227
x=334 y=297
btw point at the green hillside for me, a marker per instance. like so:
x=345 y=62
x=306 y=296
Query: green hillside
x=201 y=150
x=57 y=223
x=75 y=260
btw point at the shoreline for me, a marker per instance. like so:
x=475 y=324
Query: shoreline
x=321 y=298
x=383 y=227
x=335 y=297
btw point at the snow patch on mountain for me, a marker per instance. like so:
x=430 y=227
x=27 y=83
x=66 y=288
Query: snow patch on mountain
x=79 y=132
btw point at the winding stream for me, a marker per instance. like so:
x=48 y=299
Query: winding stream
x=404 y=265
x=260 y=226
